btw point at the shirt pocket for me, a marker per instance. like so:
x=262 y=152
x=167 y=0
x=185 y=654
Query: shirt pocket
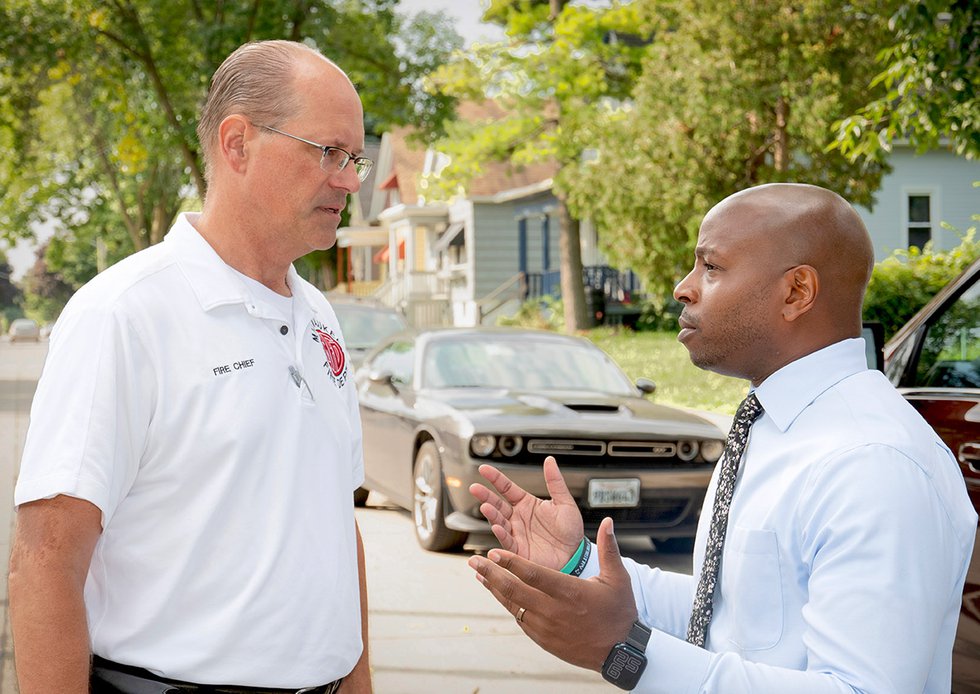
x=755 y=588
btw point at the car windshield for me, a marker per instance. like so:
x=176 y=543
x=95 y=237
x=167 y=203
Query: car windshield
x=364 y=326
x=489 y=361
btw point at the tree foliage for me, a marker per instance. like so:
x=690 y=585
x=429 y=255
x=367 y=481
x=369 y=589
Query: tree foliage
x=548 y=78
x=930 y=69
x=9 y=292
x=731 y=95
x=99 y=101
x=45 y=291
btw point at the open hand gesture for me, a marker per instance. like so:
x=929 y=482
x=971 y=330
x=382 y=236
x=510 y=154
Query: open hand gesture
x=577 y=620
x=545 y=532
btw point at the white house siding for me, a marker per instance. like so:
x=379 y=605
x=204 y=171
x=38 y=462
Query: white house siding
x=946 y=178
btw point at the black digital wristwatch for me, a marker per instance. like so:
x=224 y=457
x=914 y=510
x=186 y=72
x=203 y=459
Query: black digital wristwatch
x=626 y=661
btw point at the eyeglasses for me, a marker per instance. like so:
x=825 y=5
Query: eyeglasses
x=333 y=159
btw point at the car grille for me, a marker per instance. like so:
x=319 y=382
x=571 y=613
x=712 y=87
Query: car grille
x=584 y=452
x=647 y=449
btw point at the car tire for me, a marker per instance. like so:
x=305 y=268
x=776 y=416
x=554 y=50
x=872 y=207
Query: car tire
x=360 y=496
x=428 y=503
x=674 y=545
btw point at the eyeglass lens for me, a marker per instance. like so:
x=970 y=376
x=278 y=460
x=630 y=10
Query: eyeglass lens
x=336 y=159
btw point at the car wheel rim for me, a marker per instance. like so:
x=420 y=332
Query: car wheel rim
x=425 y=498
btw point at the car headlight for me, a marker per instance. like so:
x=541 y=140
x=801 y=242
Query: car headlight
x=712 y=450
x=511 y=445
x=687 y=450
x=482 y=445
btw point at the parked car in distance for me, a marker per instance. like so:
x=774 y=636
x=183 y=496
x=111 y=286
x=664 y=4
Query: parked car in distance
x=437 y=404
x=934 y=361
x=24 y=330
x=365 y=323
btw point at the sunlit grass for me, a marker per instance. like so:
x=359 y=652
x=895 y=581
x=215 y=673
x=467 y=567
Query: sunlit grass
x=662 y=359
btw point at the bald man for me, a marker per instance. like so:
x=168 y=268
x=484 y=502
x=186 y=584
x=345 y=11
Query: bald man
x=834 y=558
x=185 y=510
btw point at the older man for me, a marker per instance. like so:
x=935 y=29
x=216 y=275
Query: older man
x=837 y=530
x=185 y=515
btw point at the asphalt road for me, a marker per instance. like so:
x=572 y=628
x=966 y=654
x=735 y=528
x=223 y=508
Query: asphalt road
x=433 y=627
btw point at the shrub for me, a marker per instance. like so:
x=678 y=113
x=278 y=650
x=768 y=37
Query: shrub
x=905 y=281
x=659 y=314
x=543 y=313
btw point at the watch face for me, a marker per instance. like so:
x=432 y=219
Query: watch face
x=623 y=666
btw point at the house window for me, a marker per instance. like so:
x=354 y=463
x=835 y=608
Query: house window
x=920 y=221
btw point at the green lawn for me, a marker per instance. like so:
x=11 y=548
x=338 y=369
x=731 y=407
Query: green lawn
x=662 y=359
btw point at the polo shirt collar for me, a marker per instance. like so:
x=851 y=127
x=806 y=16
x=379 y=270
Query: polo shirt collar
x=789 y=391
x=212 y=280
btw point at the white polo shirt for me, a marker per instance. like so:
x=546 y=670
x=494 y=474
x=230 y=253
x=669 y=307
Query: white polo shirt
x=222 y=446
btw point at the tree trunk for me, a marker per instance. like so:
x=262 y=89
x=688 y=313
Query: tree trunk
x=780 y=153
x=569 y=243
x=572 y=287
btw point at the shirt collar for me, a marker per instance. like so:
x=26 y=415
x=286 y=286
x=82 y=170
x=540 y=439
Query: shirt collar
x=213 y=281
x=789 y=391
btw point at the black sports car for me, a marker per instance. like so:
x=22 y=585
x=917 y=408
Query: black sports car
x=437 y=404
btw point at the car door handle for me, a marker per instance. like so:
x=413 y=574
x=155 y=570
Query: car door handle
x=970 y=454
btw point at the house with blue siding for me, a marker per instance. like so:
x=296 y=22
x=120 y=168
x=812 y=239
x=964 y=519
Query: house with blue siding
x=464 y=263
x=923 y=192
x=478 y=257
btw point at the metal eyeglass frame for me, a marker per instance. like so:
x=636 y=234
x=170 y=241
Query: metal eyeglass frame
x=362 y=165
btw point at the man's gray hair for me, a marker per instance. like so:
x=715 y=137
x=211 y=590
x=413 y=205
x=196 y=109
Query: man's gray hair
x=255 y=81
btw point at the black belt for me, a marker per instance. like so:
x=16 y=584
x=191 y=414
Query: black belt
x=114 y=678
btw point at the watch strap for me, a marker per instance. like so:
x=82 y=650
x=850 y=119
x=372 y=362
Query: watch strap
x=639 y=636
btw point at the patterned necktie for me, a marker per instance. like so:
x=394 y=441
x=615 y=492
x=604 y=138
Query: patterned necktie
x=747 y=413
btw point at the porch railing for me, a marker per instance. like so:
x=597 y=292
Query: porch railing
x=620 y=286
x=422 y=296
x=513 y=289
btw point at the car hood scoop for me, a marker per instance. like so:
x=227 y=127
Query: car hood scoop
x=591 y=407
x=574 y=402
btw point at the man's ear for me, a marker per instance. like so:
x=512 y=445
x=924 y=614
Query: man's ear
x=231 y=142
x=803 y=284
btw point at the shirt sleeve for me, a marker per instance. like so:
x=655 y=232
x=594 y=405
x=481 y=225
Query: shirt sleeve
x=882 y=563
x=91 y=411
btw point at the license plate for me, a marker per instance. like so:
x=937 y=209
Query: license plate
x=614 y=493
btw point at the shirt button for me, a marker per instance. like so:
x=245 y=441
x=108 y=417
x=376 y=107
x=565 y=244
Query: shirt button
x=283 y=329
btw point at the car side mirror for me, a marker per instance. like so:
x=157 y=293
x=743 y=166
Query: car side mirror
x=646 y=386
x=874 y=342
x=383 y=378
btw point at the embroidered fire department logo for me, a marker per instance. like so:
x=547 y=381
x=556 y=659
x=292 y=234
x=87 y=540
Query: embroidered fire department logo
x=336 y=359
x=336 y=363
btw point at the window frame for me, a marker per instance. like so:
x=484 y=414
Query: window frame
x=935 y=212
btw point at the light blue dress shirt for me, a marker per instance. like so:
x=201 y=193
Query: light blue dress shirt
x=848 y=542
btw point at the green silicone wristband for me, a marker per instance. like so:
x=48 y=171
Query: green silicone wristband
x=573 y=562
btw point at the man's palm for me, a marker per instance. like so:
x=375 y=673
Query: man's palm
x=545 y=532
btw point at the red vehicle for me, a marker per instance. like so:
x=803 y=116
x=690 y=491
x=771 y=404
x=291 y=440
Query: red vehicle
x=934 y=361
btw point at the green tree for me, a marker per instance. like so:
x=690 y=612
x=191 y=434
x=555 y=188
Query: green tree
x=930 y=72
x=45 y=291
x=553 y=73
x=99 y=100
x=9 y=292
x=731 y=95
